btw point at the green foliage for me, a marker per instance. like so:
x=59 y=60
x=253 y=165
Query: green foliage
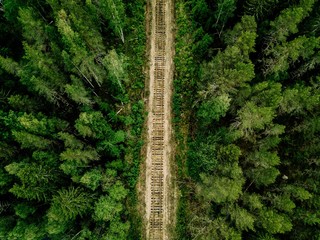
x=77 y=92
x=213 y=109
x=220 y=189
x=25 y=231
x=282 y=29
x=274 y=222
x=242 y=218
x=283 y=203
x=263 y=158
x=28 y=140
x=109 y=208
x=204 y=228
x=225 y=10
x=31 y=24
x=106 y=209
x=65 y=116
x=260 y=8
x=232 y=68
x=66 y=205
x=252 y=201
x=23 y=102
x=36 y=180
x=202 y=158
x=70 y=141
x=79 y=155
x=226 y=72
x=5 y=180
x=92 y=179
x=69 y=203
x=116 y=65
x=246 y=93
x=114 y=11
x=253 y=118
x=263 y=175
x=286 y=54
x=40 y=124
x=118 y=230
x=298 y=192
x=23 y=210
x=9 y=65
x=252 y=128
x=93 y=125
x=243 y=35
x=298 y=100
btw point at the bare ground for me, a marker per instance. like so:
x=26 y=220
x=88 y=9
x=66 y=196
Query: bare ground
x=144 y=187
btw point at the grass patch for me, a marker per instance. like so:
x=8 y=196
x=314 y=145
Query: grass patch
x=184 y=90
x=135 y=48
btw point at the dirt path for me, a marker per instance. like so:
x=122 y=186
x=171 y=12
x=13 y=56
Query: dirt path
x=159 y=193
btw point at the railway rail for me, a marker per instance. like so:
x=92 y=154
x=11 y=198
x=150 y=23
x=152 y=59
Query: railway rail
x=156 y=219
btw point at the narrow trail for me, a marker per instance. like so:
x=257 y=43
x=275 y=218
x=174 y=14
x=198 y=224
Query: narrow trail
x=159 y=193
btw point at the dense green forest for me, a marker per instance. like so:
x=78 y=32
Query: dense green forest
x=247 y=92
x=71 y=113
x=246 y=106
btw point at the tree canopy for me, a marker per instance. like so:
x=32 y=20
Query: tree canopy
x=70 y=118
x=251 y=111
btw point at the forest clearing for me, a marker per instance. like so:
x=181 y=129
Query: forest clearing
x=159 y=194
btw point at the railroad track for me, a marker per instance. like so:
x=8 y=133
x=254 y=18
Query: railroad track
x=156 y=225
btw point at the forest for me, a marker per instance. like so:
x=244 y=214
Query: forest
x=246 y=111
x=71 y=114
x=247 y=119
